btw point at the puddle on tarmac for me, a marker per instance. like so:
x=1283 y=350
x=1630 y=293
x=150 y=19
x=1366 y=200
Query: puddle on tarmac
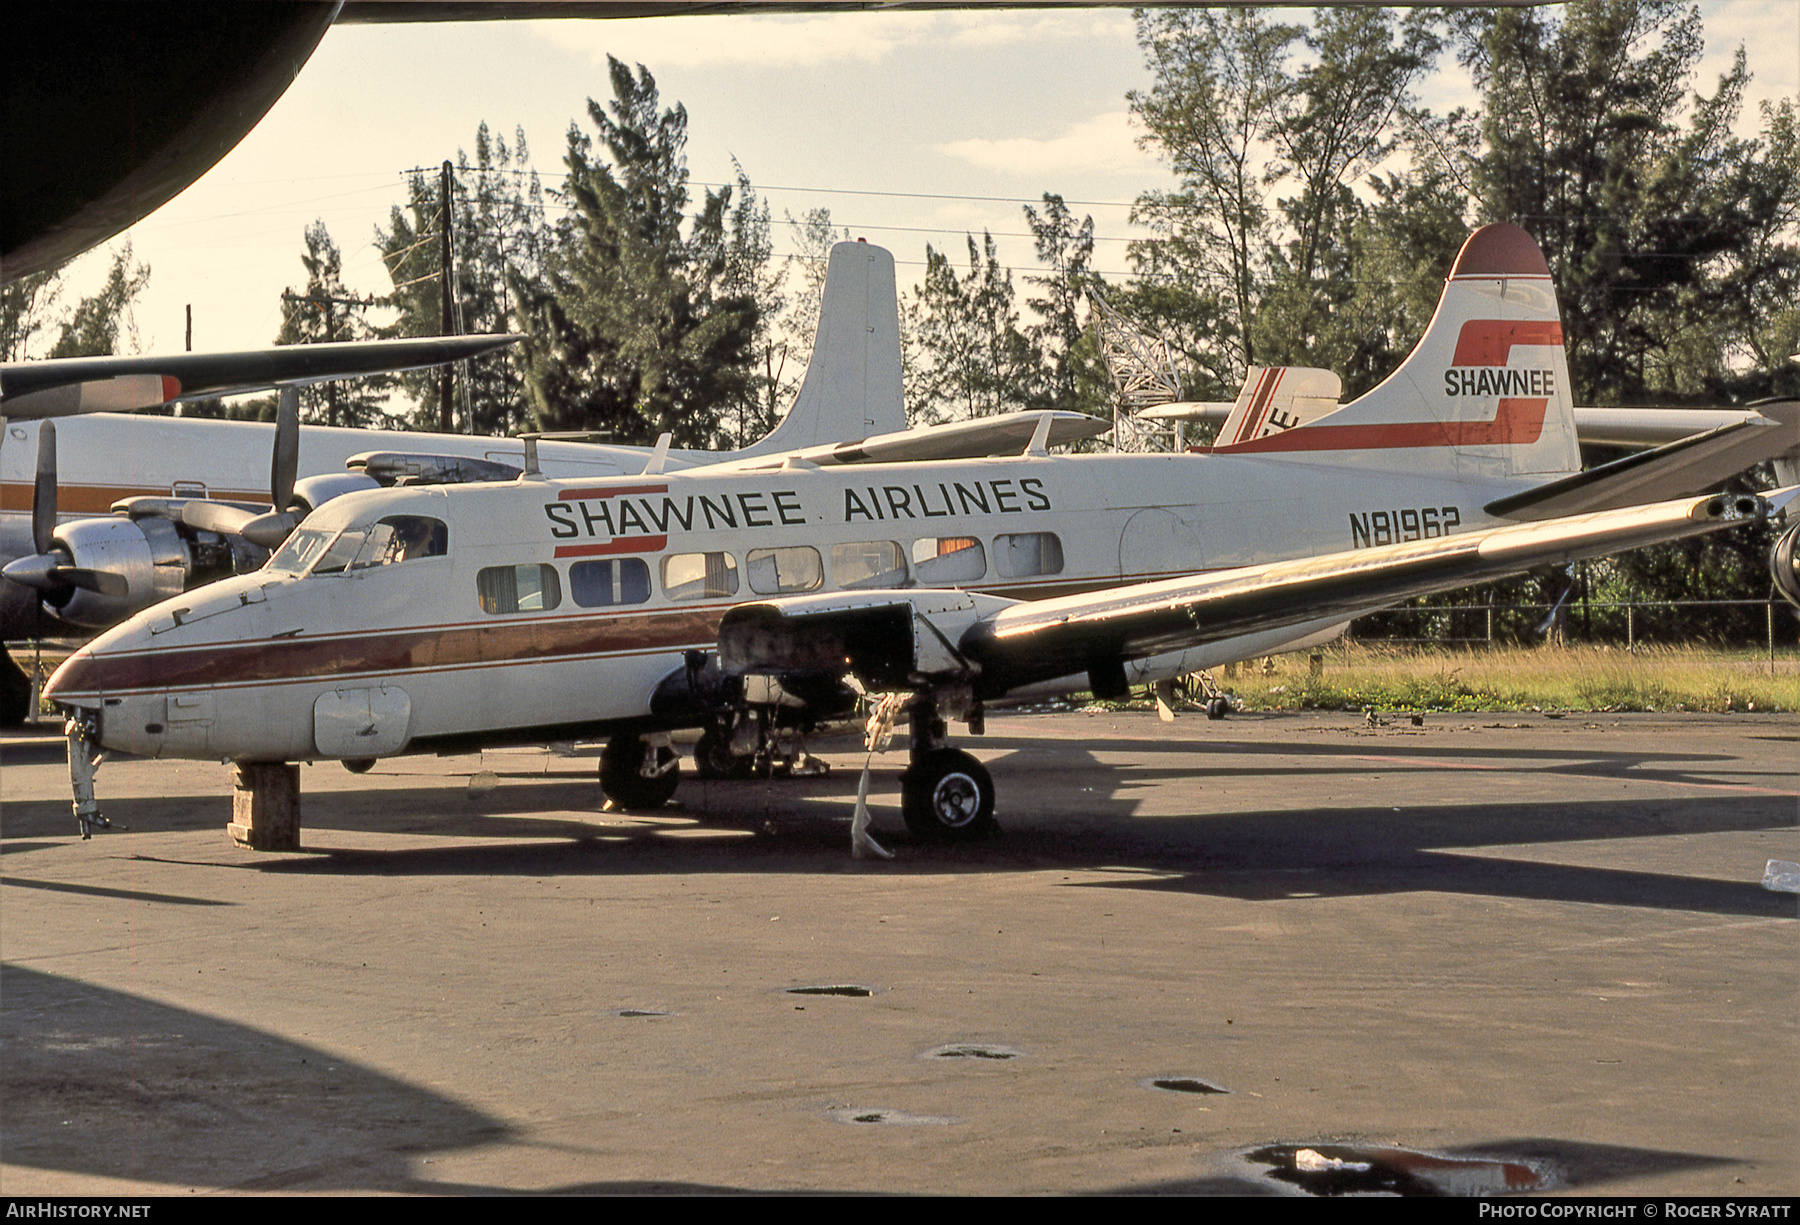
x=1183 y=1084
x=972 y=1050
x=889 y=1118
x=1346 y=1169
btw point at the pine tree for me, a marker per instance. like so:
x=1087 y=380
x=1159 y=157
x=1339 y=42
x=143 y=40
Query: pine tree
x=637 y=329
x=969 y=356
x=32 y=307
x=327 y=312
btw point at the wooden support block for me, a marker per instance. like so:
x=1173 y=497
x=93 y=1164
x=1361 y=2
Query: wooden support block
x=265 y=806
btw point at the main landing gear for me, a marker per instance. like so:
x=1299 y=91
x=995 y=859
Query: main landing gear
x=755 y=747
x=639 y=772
x=945 y=794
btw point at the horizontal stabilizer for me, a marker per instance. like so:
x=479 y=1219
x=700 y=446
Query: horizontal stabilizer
x=1008 y=434
x=1647 y=425
x=1673 y=470
x=124 y=394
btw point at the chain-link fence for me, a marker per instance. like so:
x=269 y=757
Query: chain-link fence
x=1771 y=623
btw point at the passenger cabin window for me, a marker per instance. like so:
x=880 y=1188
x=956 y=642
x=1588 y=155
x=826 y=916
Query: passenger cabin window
x=781 y=571
x=1028 y=553
x=600 y=584
x=532 y=587
x=944 y=561
x=699 y=576
x=868 y=563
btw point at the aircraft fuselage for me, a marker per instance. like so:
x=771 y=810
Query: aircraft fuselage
x=560 y=605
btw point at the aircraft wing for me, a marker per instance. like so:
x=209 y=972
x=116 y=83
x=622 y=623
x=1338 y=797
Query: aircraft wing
x=1006 y=434
x=915 y=639
x=61 y=387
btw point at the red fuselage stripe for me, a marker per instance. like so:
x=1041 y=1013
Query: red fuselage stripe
x=615 y=491
x=628 y=544
x=1516 y=421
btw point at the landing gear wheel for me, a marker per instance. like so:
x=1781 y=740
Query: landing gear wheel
x=622 y=779
x=359 y=765
x=1218 y=708
x=712 y=756
x=946 y=794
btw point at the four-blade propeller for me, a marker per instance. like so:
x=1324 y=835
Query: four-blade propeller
x=50 y=569
x=268 y=528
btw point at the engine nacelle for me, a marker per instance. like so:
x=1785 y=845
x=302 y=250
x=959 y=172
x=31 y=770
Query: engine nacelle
x=1784 y=565
x=148 y=554
x=156 y=556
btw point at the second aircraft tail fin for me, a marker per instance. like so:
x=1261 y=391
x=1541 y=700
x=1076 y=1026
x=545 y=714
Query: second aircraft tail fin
x=852 y=387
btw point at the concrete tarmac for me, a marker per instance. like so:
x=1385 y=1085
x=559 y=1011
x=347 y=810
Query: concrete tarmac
x=1535 y=948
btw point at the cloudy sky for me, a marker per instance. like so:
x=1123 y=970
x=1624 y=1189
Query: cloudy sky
x=911 y=127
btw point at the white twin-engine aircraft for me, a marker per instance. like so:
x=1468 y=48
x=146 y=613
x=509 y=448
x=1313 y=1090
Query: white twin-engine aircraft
x=744 y=596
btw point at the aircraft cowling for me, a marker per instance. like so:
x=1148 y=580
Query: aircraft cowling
x=155 y=557
x=1784 y=565
x=312 y=492
x=149 y=555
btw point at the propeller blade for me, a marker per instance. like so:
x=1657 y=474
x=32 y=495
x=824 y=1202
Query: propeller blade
x=271 y=529
x=105 y=582
x=285 y=466
x=43 y=493
x=216 y=516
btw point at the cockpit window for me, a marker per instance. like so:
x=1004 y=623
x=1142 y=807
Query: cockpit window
x=342 y=552
x=300 y=550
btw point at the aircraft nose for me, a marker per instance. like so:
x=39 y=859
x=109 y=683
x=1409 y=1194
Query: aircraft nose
x=116 y=686
x=71 y=683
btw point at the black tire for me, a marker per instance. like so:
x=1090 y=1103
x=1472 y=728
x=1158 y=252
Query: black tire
x=359 y=765
x=1218 y=708
x=712 y=756
x=621 y=782
x=947 y=795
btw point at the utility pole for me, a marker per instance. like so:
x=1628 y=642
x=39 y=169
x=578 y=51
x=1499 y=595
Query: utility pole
x=446 y=185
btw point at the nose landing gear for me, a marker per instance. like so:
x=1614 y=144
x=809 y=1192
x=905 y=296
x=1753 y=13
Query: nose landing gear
x=639 y=772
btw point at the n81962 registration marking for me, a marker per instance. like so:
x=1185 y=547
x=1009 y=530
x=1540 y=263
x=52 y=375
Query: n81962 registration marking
x=1379 y=527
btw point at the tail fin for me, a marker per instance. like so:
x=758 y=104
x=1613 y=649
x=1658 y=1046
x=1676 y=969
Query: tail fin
x=852 y=387
x=1485 y=393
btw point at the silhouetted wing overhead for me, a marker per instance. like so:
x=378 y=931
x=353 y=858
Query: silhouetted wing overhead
x=63 y=387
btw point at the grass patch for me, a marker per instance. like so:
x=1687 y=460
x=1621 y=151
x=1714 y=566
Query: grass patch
x=1521 y=678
